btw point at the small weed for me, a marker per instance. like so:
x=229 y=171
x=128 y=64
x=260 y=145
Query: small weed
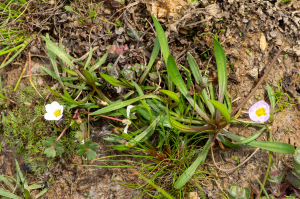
x=282 y=99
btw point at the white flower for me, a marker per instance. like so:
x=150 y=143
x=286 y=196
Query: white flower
x=54 y=111
x=126 y=121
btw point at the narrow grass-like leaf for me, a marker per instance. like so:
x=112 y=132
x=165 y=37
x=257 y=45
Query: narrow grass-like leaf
x=163 y=42
x=186 y=176
x=172 y=95
x=148 y=109
x=151 y=62
x=178 y=81
x=89 y=58
x=44 y=190
x=138 y=88
x=99 y=63
x=222 y=108
x=119 y=105
x=222 y=69
x=162 y=39
x=8 y=194
x=189 y=129
x=8 y=184
x=272 y=98
x=277 y=147
x=146 y=132
x=58 y=51
x=71 y=72
x=251 y=138
x=222 y=73
x=194 y=68
x=113 y=81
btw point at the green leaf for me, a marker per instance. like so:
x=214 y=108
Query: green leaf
x=251 y=138
x=186 y=176
x=178 y=81
x=152 y=60
x=44 y=190
x=194 y=68
x=119 y=105
x=80 y=152
x=162 y=39
x=89 y=58
x=163 y=42
x=113 y=139
x=277 y=147
x=272 y=98
x=8 y=184
x=58 y=51
x=222 y=69
x=48 y=142
x=50 y=152
x=113 y=81
x=87 y=143
x=172 y=95
x=99 y=63
x=94 y=146
x=146 y=132
x=91 y=154
x=222 y=108
x=8 y=194
x=189 y=129
x=120 y=147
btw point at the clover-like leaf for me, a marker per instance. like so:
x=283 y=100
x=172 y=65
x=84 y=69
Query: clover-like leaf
x=91 y=154
x=94 y=146
x=50 y=152
x=48 y=142
x=87 y=143
x=58 y=147
x=81 y=152
x=79 y=135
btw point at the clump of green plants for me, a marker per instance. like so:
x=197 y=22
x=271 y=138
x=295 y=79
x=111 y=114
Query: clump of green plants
x=14 y=37
x=283 y=99
x=176 y=126
x=21 y=187
x=25 y=128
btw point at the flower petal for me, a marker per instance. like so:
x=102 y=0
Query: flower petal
x=55 y=105
x=252 y=111
x=58 y=117
x=126 y=129
x=49 y=108
x=128 y=110
x=49 y=116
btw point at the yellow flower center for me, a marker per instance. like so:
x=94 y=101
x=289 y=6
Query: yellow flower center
x=57 y=113
x=260 y=112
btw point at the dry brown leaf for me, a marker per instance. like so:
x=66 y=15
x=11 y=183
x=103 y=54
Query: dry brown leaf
x=263 y=42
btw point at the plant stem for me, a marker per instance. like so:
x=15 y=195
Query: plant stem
x=269 y=164
x=259 y=83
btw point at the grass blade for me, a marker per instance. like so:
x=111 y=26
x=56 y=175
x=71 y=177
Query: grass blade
x=151 y=62
x=163 y=45
x=277 y=147
x=99 y=63
x=251 y=138
x=186 y=176
x=221 y=107
x=8 y=194
x=89 y=58
x=222 y=73
x=178 y=81
x=272 y=98
x=119 y=105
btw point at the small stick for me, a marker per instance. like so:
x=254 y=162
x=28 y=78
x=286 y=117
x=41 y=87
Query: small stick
x=21 y=76
x=6 y=58
x=29 y=55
